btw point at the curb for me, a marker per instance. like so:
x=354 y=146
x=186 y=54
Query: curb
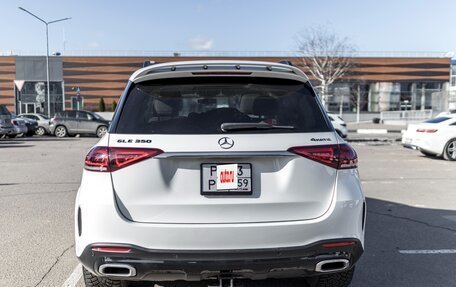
x=376 y=131
x=378 y=140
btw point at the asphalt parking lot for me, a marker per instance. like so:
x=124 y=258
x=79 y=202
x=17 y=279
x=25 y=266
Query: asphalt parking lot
x=410 y=233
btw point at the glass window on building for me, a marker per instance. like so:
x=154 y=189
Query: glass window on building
x=453 y=76
x=339 y=96
x=423 y=94
x=33 y=98
x=384 y=96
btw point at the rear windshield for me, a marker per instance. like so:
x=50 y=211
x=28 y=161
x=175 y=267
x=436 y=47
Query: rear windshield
x=437 y=120
x=202 y=105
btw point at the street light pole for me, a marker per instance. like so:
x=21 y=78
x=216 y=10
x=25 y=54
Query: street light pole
x=47 y=73
x=47 y=55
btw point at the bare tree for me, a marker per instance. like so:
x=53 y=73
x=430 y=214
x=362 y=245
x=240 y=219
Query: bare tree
x=326 y=56
x=358 y=96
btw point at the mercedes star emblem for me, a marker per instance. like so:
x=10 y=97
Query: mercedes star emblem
x=226 y=143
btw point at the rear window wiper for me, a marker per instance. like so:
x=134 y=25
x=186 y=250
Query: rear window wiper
x=226 y=127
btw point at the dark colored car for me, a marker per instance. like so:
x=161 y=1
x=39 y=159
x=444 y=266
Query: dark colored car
x=31 y=125
x=70 y=123
x=6 y=127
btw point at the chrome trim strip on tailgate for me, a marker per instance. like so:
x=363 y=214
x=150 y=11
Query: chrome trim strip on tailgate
x=216 y=154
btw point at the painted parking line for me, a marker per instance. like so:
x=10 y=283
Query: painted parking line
x=372 y=131
x=433 y=251
x=74 y=277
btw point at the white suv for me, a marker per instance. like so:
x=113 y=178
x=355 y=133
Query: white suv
x=222 y=171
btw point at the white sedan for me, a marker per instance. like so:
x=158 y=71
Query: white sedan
x=435 y=137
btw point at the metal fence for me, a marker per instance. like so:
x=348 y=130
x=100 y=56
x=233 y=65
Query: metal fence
x=443 y=101
x=413 y=115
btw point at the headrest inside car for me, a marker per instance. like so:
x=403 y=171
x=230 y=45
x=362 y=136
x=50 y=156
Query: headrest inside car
x=265 y=106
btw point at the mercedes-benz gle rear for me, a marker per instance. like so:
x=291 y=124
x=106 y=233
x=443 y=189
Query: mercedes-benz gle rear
x=220 y=170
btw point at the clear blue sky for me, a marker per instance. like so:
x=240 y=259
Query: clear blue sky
x=227 y=25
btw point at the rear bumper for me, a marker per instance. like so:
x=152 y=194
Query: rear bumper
x=7 y=130
x=20 y=130
x=431 y=143
x=164 y=265
x=52 y=129
x=47 y=128
x=410 y=146
x=193 y=251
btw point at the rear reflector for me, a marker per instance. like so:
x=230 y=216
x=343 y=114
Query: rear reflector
x=105 y=159
x=338 y=244
x=426 y=130
x=339 y=156
x=111 y=249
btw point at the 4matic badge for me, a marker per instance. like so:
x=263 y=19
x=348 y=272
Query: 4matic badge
x=320 y=139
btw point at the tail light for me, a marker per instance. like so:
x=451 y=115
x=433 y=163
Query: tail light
x=426 y=130
x=338 y=156
x=105 y=159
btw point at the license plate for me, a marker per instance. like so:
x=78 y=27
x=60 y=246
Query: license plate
x=217 y=179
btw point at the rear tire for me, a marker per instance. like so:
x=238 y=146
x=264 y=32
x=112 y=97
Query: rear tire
x=60 y=132
x=449 y=152
x=92 y=280
x=40 y=131
x=340 y=279
x=101 y=131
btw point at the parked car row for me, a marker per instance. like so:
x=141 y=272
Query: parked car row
x=70 y=123
x=65 y=123
x=12 y=126
x=434 y=137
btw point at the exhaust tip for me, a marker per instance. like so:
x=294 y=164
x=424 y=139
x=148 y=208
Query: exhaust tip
x=332 y=265
x=117 y=270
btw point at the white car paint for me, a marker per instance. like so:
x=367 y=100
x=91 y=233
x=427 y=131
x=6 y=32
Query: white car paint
x=433 y=138
x=156 y=204
x=339 y=124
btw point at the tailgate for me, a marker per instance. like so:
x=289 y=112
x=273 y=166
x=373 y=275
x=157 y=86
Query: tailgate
x=168 y=188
